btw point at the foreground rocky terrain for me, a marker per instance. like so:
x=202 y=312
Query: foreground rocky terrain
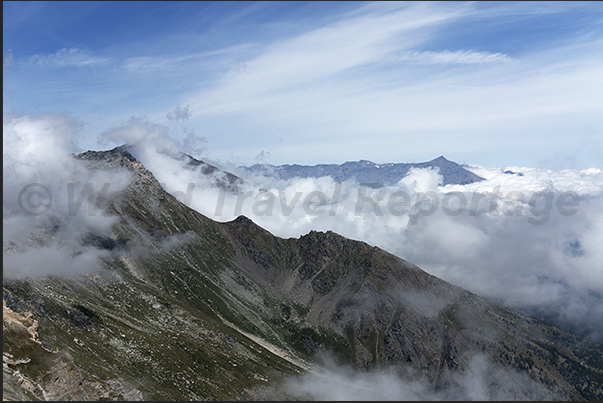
x=189 y=308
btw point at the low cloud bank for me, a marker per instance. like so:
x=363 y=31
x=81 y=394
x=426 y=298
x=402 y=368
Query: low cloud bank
x=50 y=201
x=482 y=380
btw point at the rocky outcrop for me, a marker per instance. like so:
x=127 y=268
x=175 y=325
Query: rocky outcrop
x=33 y=372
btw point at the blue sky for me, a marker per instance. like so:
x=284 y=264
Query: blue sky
x=490 y=83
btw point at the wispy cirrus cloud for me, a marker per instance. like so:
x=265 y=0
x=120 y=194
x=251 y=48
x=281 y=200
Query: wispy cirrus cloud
x=153 y=64
x=72 y=57
x=287 y=70
x=448 y=57
x=385 y=75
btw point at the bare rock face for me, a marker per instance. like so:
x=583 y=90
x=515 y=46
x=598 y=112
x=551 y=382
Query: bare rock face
x=186 y=308
x=23 y=326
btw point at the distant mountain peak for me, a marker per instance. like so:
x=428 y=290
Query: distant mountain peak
x=441 y=158
x=365 y=171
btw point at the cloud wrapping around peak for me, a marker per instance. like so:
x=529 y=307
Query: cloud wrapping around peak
x=140 y=132
x=51 y=200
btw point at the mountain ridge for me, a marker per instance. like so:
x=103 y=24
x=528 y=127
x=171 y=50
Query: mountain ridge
x=189 y=308
x=224 y=179
x=366 y=172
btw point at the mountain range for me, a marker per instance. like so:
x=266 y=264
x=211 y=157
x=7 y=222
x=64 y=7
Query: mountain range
x=187 y=308
x=367 y=172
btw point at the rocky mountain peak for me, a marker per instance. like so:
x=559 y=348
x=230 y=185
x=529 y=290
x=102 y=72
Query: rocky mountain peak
x=440 y=159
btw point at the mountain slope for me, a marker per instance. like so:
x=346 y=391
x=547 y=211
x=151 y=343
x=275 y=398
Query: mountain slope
x=367 y=172
x=188 y=308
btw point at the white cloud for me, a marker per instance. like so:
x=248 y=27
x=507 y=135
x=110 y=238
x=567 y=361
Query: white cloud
x=186 y=63
x=324 y=83
x=180 y=113
x=547 y=265
x=331 y=86
x=482 y=380
x=72 y=57
x=50 y=200
x=285 y=67
x=448 y=57
x=52 y=260
x=153 y=64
